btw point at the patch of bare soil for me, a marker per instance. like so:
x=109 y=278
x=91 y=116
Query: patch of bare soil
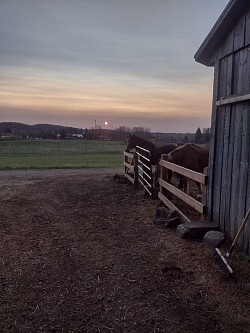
x=80 y=253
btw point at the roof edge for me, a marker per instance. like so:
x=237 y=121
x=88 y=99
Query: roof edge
x=224 y=23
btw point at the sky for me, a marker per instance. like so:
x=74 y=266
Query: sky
x=125 y=62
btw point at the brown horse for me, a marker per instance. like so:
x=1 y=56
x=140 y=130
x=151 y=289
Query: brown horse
x=155 y=156
x=190 y=156
x=134 y=141
x=155 y=151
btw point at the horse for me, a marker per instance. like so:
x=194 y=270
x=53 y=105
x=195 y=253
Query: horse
x=155 y=151
x=155 y=154
x=189 y=156
x=134 y=141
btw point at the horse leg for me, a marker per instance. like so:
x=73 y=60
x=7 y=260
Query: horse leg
x=169 y=175
x=185 y=184
x=181 y=182
x=199 y=195
x=157 y=175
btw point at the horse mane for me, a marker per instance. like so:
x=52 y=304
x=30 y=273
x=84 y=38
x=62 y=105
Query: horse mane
x=186 y=146
x=144 y=141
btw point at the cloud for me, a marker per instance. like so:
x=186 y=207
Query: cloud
x=129 y=60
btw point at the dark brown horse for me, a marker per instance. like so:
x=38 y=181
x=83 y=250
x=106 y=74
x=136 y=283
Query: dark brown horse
x=155 y=151
x=189 y=156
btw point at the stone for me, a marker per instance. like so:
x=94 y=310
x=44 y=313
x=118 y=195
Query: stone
x=214 y=237
x=173 y=222
x=166 y=217
x=196 y=229
x=162 y=212
x=173 y=214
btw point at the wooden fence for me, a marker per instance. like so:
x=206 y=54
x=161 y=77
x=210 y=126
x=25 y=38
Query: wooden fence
x=144 y=167
x=166 y=188
x=138 y=169
x=130 y=167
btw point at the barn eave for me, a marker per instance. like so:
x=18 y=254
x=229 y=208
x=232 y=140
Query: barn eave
x=206 y=54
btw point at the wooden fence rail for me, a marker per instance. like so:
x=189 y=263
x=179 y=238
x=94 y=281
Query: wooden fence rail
x=166 y=187
x=130 y=167
x=144 y=168
x=138 y=169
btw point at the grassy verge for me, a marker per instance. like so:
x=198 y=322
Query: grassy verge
x=18 y=155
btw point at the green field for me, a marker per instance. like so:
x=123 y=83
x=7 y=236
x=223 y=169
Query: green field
x=60 y=154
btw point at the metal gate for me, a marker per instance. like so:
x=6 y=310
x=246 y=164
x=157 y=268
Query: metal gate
x=145 y=173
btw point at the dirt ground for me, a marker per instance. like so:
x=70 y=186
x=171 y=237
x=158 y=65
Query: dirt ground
x=80 y=253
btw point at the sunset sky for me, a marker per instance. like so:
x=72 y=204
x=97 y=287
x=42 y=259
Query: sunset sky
x=127 y=62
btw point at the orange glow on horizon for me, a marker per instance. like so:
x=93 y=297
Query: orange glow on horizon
x=46 y=95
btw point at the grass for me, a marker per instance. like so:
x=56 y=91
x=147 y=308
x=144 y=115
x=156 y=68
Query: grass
x=60 y=154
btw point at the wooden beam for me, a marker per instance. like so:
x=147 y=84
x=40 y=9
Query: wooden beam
x=129 y=178
x=129 y=166
x=143 y=157
x=183 y=196
x=196 y=176
x=170 y=205
x=128 y=154
x=231 y=100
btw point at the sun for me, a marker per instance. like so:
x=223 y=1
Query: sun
x=105 y=123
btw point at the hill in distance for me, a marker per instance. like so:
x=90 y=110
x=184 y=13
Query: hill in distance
x=50 y=131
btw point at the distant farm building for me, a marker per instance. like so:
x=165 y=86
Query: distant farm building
x=74 y=136
x=227 y=48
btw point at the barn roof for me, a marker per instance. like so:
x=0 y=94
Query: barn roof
x=220 y=30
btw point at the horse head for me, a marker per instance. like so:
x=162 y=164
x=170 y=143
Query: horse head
x=165 y=149
x=175 y=155
x=131 y=142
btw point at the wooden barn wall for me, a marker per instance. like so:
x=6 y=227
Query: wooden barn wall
x=231 y=179
x=237 y=38
x=229 y=171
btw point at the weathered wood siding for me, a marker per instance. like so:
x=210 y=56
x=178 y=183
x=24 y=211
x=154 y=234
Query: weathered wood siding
x=229 y=171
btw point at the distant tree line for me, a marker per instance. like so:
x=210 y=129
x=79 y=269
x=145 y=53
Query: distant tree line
x=13 y=130
x=202 y=137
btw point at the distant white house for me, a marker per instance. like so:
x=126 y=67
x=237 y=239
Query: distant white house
x=77 y=136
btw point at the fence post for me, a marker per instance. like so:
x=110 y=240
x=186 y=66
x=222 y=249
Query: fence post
x=164 y=174
x=136 y=176
x=126 y=161
x=204 y=192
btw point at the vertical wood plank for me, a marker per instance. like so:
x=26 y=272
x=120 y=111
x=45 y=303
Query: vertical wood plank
x=225 y=165
x=239 y=33
x=226 y=161
x=248 y=70
x=247 y=33
x=247 y=232
x=218 y=156
x=242 y=108
x=246 y=175
x=210 y=189
x=223 y=78
x=229 y=75
x=228 y=45
x=236 y=171
x=235 y=80
x=218 y=164
x=230 y=154
x=246 y=238
x=241 y=72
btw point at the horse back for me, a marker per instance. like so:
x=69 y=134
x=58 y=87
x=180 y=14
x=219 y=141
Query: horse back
x=191 y=156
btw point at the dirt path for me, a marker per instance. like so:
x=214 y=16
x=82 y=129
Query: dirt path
x=80 y=253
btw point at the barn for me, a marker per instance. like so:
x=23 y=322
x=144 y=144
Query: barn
x=227 y=49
